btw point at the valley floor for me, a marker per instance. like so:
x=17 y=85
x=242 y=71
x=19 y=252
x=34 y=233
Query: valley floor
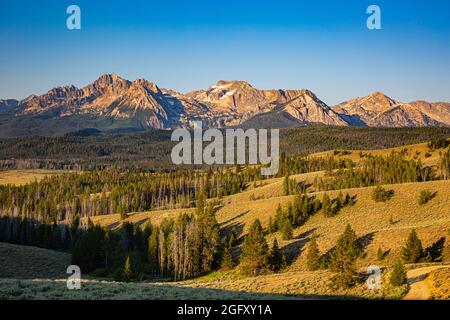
x=289 y=285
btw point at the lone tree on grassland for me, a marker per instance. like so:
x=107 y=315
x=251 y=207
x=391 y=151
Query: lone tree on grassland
x=412 y=252
x=313 y=256
x=379 y=194
x=275 y=257
x=398 y=275
x=326 y=206
x=425 y=196
x=343 y=259
x=254 y=258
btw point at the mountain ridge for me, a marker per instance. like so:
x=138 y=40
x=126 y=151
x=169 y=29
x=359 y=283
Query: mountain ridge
x=112 y=102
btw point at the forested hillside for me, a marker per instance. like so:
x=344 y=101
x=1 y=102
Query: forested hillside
x=88 y=150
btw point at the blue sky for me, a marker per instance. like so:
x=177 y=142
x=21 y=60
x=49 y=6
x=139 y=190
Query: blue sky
x=185 y=45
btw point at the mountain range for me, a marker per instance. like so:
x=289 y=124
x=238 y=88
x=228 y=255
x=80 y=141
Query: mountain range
x=114 y=104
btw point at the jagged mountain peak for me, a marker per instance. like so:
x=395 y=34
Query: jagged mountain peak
x=114 y=102
x=380 y=98
x=109 y=79
x=377 y=109
x=64 y=91
x=147 y=85
x=232 y=83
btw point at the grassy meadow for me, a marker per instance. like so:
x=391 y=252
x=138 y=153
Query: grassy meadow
x=24 y=176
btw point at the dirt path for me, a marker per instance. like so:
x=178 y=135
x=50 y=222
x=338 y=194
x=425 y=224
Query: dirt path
x=417 y=282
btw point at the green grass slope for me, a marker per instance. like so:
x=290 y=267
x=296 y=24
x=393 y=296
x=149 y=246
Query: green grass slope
x=22 y=262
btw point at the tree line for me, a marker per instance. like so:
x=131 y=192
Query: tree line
x=376 y=170
x=61 y=197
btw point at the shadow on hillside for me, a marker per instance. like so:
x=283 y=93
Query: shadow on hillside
x=418 y=278
x=234 y=218
x=365 y=240
x=306 y=233
x=239 y=227
x=362 y=241
x=293 y=249
x=115 y=225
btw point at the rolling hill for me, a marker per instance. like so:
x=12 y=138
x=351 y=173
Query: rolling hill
x=23 y=262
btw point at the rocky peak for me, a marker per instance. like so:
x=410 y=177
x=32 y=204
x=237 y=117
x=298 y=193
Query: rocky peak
x=143 y=104
x=380 y=99
x=107 y=83
x=235 y=84
x=150 y=86
x=64 y=92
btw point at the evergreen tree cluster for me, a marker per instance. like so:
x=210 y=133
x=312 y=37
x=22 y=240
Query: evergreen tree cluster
x=303 y=164
x=291 y=186
x=295 y=215
x=444 y=165
x=303 y=207
x=256 y=257
x=440 y=143
x=61 y=197
x=376 y=170
x=331 y=207
x=33 y=233
x=187 y=247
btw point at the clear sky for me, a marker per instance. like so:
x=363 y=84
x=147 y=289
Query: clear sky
x=185 y=45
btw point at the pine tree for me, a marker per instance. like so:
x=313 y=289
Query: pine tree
x=286 y=229
x=254 y=251
x=74 y=229
x=232 y=236
x=313 y=255
x=344 y=257
x=127 y=273
x=278 y=221
x=122 y=213
x=380 y=254
x=379 y=194
x=326 y=206
x=272 y=225
x=153 y=250
x=425 y=196
x=275 y=257
x=412 y=252
x=339 y=201
x=398 y=275
x=286 y=185
x=227 y=259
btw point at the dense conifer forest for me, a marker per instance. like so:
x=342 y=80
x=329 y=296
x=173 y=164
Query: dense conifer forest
x=151 y=150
